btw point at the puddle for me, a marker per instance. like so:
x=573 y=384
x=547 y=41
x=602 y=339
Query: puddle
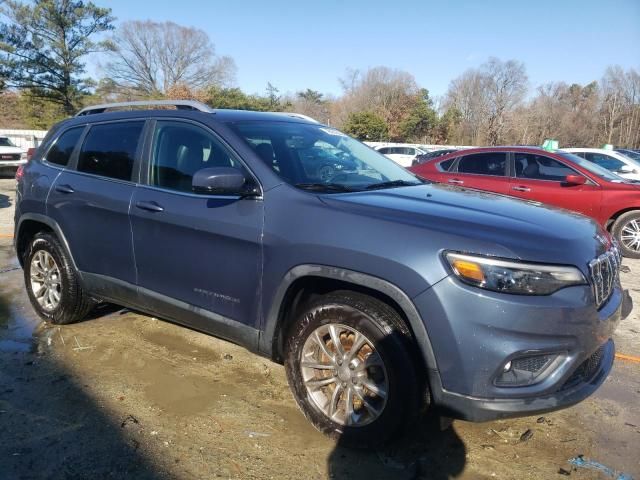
x=19 y=325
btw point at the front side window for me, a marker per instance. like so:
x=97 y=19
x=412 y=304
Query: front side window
x=490 y=163
x=5 y=142
x=182 y=149
x=311 y=156
x=541 y=167
x=60 y=152
x=109 y=149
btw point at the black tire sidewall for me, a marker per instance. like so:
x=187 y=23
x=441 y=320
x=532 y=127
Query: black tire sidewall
x=68 y=290
x=390 y=345
x=619 y=224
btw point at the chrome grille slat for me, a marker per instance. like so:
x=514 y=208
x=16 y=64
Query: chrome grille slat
x=604 y=274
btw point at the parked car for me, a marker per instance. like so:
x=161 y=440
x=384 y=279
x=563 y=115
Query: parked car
x=556 y=178
x=633 y=154
x=376 y=290
x=402 y=155
x=435 y=154
x=11 y=157
x=616 y=162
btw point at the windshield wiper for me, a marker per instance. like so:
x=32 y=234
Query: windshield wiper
x=327 y=187
x=391 y=184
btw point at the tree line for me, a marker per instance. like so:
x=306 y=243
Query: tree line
x=44 y=46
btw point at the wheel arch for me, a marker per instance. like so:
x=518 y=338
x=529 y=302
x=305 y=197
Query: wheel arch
x=617 y=215
x=32 y=223
x=318 y=279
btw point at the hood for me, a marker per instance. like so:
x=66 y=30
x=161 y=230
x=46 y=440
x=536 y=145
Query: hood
x=480 y=222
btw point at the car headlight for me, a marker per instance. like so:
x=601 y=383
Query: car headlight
x=23 y=156
x=512 y=276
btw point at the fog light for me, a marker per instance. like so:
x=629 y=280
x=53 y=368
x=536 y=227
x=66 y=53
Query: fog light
x=525 y=370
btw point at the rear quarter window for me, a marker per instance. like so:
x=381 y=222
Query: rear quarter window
x=60 y=152
x=446 y=165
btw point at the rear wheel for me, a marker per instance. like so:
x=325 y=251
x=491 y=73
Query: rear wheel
x=351 y=370
x=626 y=230
x=52 y=284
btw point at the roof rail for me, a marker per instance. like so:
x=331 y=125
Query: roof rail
x=304 y=117
x=179 y=104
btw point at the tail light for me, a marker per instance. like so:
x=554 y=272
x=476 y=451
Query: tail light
x=19 y=173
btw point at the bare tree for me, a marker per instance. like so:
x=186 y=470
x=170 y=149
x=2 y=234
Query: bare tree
x=152 y=58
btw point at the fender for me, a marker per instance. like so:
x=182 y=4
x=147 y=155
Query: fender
x=270 y=330
x=53 y=225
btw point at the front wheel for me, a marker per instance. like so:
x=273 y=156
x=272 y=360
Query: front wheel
x=350 y=366
x=626 y=230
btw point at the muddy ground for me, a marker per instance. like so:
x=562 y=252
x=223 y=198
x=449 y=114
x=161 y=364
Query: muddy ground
x=126 y=395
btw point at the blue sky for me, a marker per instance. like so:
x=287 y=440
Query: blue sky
x=297 y=44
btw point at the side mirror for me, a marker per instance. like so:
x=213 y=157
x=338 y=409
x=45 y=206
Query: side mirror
x=627 y=169
x=219 y=181
x=575 y=180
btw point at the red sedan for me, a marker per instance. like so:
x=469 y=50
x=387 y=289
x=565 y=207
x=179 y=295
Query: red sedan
x=556 y=178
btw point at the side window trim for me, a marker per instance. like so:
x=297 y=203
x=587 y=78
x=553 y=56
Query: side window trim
x=73 y=163
x=74 y=154
x=145 y=164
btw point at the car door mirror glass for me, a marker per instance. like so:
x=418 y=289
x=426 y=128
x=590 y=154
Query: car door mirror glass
x=219 y=181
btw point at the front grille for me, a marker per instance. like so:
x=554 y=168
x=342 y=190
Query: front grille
x=604 y=274
x=9 y=156
x=586 y=369
x=531 y=364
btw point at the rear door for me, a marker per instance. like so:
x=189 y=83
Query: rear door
x=90 y=201
x=484 y=171
x=541 y=178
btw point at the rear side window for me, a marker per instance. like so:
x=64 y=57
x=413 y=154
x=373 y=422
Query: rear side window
x=109 y=149
x=60 y=152
x=490 y=163
x=446 y=165
x=540 y=167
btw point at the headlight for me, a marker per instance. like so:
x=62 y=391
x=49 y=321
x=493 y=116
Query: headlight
x=23 y=156
x=512 y=276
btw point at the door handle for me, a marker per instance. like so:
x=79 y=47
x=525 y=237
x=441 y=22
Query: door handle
x=521 y=189
x=150 y=206
x=64 y=189
x=455 y=181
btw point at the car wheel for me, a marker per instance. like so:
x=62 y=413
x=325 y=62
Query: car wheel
x=326 y=173
x=52 y=283
x=350 y=366
x=626 y=230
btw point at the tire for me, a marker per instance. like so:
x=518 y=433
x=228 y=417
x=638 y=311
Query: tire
x=386 y=335
x=326 y=173
x=45 y=256
x=623 y=228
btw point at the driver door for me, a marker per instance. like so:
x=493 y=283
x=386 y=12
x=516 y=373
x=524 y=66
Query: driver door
x=198 y=256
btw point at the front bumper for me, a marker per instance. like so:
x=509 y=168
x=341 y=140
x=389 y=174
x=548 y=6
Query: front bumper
x=475 y=332
x=13 y=164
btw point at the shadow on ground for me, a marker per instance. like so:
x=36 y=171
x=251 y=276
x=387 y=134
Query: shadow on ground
x=5 y=201
x=64 y=434
x=426 y=454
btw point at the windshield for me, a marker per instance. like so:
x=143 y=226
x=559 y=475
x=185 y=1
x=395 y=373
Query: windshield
x=630 y=154
x=592 y=167
x=321 y=158
x=5 y=142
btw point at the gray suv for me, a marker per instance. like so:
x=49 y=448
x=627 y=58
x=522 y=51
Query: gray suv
x=379 y=292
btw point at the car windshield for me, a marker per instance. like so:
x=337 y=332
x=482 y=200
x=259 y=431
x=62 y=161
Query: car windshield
x=630 y=154
x=320 y=158
x=592 y=167
x=5 y=142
